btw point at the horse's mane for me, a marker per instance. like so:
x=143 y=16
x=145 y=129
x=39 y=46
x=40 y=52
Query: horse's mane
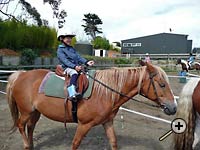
x=116 y=78
x=162 y=73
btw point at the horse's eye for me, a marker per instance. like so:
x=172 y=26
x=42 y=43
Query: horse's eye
x=162 y=85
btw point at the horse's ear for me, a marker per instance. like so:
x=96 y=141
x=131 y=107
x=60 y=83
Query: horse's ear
x=141 y=62
x=150 y=67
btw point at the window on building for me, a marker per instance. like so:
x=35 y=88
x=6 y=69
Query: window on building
x=125 y=44
x=132 y=44
x=129 y=44
x=136 y=44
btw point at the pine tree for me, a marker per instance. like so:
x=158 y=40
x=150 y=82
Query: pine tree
x=91 y=23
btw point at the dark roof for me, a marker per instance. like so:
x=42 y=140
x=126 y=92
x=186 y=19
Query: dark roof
x=84 y=42
x=156 y=35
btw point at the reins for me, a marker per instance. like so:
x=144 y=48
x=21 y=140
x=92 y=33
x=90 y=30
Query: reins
x=120 y=93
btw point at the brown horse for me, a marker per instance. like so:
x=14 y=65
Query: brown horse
x=189 y=110
x=185 y=66
x=26 y=104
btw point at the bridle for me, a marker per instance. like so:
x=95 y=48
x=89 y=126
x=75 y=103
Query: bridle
x=162 y=85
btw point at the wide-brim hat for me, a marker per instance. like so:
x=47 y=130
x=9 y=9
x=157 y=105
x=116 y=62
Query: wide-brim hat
x=65 y=35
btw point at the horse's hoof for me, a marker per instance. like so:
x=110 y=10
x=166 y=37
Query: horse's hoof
x=28 y=147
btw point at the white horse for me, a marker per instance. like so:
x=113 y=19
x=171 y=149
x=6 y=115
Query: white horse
x=189 y=110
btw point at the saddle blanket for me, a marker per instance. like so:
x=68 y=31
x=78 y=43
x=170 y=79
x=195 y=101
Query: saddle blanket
x=53 y=85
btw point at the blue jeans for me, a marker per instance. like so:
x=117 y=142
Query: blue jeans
x=73 y=74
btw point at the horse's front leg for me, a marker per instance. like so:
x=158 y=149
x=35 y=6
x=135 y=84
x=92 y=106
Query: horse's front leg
x=81 y=131
x=110 y=132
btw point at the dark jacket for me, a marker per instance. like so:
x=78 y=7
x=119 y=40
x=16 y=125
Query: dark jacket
x=68 y=57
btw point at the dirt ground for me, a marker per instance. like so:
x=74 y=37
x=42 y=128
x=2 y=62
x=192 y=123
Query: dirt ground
x=133 y=131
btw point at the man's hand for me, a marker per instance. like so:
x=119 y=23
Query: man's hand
x=90 y=63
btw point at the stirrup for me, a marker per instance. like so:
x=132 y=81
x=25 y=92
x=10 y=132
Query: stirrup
x=75 y=97
x=78 y=96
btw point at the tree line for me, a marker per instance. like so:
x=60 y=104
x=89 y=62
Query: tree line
x=28 y=11
x=18 y=36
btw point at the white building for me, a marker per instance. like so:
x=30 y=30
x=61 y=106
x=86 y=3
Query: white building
x=100 y=52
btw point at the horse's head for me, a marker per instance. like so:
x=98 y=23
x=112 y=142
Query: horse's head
x=155 y=86
x=178 y=61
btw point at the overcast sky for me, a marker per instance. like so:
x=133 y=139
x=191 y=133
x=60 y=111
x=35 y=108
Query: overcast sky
x=131 y=18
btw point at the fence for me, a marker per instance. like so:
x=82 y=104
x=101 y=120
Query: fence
x=155 y=56
x=15 y=60
x=10 y=60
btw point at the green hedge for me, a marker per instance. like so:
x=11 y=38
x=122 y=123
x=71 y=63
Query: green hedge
x=17 y=36
x=27 y=57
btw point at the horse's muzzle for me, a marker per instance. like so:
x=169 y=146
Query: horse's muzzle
x=170 y=108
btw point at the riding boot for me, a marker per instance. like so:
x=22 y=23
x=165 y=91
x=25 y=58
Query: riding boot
x=73 y=95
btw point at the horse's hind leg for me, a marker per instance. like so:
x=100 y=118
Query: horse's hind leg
x=31 y=126
x=81 y=131
x=22 y=125
x=110 y=132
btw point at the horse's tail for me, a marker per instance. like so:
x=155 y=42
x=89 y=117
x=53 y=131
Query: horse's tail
x=11 y=101
x=186 y=111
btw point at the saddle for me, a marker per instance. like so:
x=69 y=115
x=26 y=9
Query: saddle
x=82 y=82
x=54 y=85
